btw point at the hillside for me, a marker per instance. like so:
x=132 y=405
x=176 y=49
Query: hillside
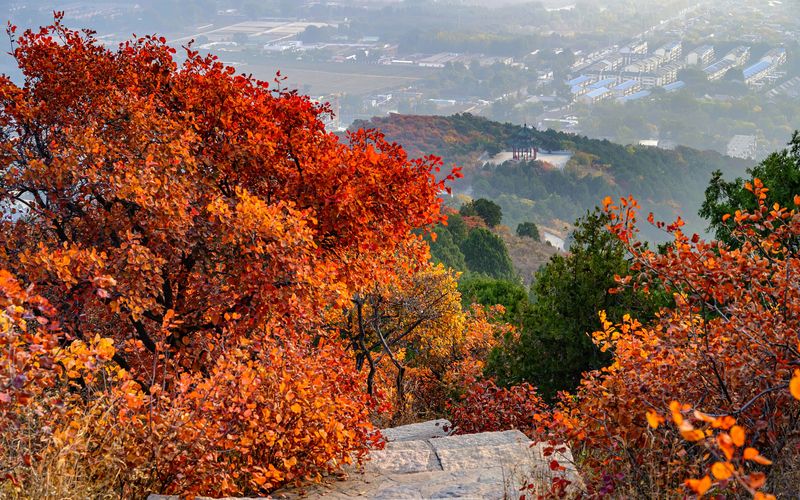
x=669 y=183
x=527 y=255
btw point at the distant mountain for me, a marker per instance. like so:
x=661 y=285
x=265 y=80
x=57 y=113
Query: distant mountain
x=666 y=182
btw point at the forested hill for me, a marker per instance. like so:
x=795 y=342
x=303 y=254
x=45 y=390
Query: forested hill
x=667 y=182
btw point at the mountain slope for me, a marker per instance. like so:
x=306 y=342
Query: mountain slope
x=668 y=183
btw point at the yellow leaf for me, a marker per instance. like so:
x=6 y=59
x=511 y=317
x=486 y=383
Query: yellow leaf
x=296 y=408
x=653 y=419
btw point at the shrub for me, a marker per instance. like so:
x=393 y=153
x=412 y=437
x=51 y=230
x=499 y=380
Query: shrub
x=727 y=351
x=529 y=230
x=485 y=407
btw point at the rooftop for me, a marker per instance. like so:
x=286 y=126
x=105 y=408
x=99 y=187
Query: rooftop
x=627 y=84
x=722 y=65
x=633 y=97
x=672 y=87
x=757 y=68
x=603 y=83
x=597 y=92
x=579 y=80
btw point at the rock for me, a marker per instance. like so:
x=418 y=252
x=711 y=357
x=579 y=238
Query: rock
x=420 y=431
x=475 y=451
x=403 y=457
x=420 y=462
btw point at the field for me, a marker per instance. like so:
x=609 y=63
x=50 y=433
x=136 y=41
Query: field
x=328 y=78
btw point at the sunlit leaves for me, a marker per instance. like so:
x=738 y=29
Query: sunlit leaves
x=197 y=236
x=726 y=348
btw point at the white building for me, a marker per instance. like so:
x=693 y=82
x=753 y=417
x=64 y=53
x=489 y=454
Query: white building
x=669 y=52
x=742 y=146
x=701 y=56
x=738 y=56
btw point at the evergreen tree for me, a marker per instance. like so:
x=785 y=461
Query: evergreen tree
x=780 y=173
x=529 y=230
x=485 y=253
x=555 y=346
x=445 y=250
x=489 y=211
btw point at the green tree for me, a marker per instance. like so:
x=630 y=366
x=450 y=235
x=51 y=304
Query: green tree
x=489 y=211
x=555 y=347
x=458 y=228
x=488 y=292
x=485 y=253
x=445 y=250
x=780 y=173
x=529 y=230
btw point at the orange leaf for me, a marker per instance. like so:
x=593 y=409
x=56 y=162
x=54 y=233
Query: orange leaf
x=699 y=486
x=722 y=470
x=794 y=385
x=756 y=480
x=653 y=419
x=692 y=434
x=737 y=434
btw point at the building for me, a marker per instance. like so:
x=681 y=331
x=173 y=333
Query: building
x=742 y=146
x=717 y=70
x=580 y=81
x=651 y=63
x=630 y=51
x=669 y=73
x=647 y=80
x=701 y=56
x=754 y=74
x=596 y=95
x=674 y=86
x=605 y=82
x=635 y=96
x=739 y=56
x=776 y=55
x=669 y=52
x=522 y=146
x=627 y=87
x=611 y=63
x=580 y=85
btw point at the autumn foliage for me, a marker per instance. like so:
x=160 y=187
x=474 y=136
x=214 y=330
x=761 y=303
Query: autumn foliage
x=485 y=407
x=703 y=399
x=181 y=243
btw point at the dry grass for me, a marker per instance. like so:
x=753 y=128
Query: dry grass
x=526 y=254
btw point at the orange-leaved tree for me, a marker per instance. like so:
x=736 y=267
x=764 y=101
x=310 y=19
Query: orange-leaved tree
x=718 y=365
x=209 y=226
x=415 y=342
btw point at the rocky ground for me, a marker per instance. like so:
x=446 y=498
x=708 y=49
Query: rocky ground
x=423 y=461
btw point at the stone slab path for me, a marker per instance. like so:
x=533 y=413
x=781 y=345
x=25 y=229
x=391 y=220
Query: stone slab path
x=422 y=461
